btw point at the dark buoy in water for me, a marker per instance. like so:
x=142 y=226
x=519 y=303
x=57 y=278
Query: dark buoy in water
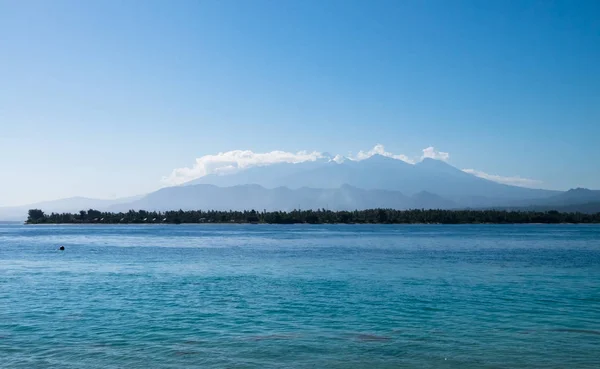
x=62 y=248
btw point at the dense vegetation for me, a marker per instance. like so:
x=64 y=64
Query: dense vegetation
x=372 y=216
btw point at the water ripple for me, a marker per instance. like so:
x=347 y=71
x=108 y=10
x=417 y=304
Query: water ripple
x=219 y=296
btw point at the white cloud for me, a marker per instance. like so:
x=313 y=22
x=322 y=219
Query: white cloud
x=514 y=181
x=236 y=160
x=379 y=149
x=431 y=153
x=339 y=159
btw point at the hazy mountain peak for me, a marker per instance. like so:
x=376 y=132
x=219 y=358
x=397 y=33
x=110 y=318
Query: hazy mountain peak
x=581 y=194
x=439 y=166
x=433 y=163
x=377 y=158
x=383 y=159
x=424 y=193
x=580 y=190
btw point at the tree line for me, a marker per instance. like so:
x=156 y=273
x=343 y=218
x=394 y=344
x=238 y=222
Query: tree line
x=371 y=216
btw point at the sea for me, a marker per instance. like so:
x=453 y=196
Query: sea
x=300 y=296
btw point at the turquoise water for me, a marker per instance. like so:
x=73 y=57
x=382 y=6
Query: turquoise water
x=339 y=296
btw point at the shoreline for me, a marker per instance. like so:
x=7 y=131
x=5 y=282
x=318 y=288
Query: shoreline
x=323 y=216
x=309 y=224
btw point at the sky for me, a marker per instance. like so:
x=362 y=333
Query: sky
x=109 y=98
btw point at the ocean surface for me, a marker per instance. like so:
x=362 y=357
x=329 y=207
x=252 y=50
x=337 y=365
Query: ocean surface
x=300 y=296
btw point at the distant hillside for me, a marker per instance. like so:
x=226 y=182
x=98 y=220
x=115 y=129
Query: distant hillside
x=573 y=196
x=578 y=199
x=196 y=197
x=588 y=208
x=72 y=204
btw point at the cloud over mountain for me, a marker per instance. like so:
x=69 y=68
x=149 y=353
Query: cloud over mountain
x=432 y=153
x=237 y=160
x=379 y=149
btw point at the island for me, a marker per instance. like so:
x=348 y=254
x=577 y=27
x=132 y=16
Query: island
x=322 y=216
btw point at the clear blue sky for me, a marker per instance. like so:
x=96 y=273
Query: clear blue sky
x=104 y=98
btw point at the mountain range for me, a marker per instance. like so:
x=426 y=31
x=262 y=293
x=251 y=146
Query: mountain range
x=376 y=182
x=383 y=173
x=281 y=198
x=68 y=205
